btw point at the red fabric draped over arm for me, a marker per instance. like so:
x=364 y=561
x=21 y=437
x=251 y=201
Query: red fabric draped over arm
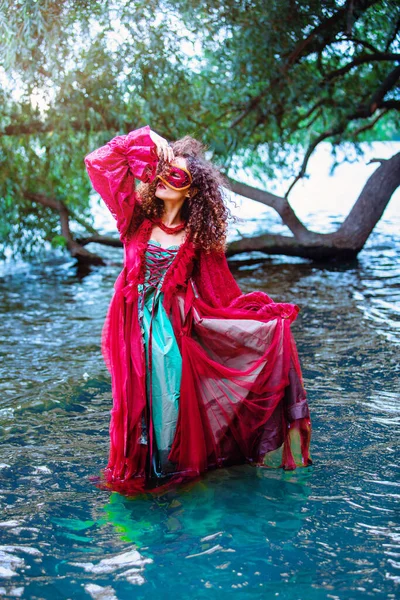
x=214 y=280
x=113 y=168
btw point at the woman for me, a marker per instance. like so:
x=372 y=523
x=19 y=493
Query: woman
x=202 y=375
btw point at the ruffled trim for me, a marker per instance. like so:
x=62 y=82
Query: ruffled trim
x=137 y=274
x=264 y=306
x=142 y=239
x=251 y=301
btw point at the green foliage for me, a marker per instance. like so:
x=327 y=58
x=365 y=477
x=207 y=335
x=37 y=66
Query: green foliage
x=252 y=79
x=59 y=241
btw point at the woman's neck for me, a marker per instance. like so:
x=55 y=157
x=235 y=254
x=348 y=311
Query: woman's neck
x=172 y=214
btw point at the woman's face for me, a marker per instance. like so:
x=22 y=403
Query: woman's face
x=166 y=193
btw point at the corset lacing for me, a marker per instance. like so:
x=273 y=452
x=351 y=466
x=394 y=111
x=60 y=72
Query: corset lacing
x=156 y=267
x=157 y=264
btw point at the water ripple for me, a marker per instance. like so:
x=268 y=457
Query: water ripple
x=329 y=531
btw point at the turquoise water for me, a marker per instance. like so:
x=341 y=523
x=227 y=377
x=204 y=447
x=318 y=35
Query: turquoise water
x=329 y=531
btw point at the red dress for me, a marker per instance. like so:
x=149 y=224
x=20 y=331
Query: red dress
x=241 y=397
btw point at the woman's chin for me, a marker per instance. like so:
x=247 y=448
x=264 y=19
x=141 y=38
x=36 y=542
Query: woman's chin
x=160 y=194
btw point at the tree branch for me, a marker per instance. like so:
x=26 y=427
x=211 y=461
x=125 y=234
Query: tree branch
x=386 y=86
x=362 y=112
x=359 y=42
x=390 y=104
x=328 y=29
x=281 y=205
x=394 y=35
x=76 y=250
x=253 y=193
x=320 y=37
x=37 y=127
x=105 y=240
x=318 y=104
x=323 y=136
x=369 y=125
x=377 y=160
x=359 y=60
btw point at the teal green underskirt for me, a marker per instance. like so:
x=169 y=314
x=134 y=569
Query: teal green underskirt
x=165 y=375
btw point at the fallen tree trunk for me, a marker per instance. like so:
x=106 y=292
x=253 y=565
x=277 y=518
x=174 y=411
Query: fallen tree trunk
x=342 y=244
x=289 y=246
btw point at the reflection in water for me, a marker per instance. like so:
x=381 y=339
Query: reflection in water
x=328 y=531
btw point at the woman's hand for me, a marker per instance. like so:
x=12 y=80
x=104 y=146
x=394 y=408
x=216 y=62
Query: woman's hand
x=163 y=149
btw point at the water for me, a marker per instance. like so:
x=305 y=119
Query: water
x=329 y=531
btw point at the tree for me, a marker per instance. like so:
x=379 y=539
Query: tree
x=252 y=79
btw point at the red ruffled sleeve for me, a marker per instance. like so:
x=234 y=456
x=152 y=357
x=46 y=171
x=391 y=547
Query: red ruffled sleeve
x=113 y=168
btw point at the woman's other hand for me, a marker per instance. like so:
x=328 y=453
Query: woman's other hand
x=163 y=149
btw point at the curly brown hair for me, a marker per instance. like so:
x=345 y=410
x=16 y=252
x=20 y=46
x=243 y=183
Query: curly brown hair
x=204 y=212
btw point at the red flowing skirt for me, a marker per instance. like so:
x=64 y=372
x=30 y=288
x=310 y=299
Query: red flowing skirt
x=242 y=398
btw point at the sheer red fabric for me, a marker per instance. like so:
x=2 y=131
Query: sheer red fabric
x=242 y=388
x=242 y=396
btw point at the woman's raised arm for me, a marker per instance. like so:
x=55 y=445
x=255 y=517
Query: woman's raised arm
x=113 y=168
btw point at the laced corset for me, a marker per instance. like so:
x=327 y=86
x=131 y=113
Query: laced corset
x=158 y=260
